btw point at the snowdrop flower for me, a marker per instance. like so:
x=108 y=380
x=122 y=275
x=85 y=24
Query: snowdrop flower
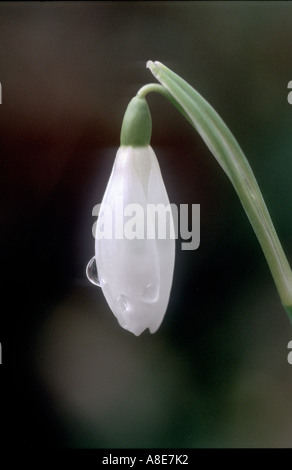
x=135 y=270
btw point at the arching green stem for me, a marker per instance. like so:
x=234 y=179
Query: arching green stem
x=228 y=153
x=154 y=87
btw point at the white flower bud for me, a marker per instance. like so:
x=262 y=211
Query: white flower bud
x=135 y=271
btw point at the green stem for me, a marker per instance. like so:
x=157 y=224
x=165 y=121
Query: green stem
x=150 y=87
x=154 y=87
x=228 y=153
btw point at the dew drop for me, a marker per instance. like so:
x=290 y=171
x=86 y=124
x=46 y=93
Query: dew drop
x=121 y=303
x=150 y=293
x=91 y=272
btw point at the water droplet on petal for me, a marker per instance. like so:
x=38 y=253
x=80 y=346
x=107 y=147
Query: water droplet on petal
x=151 y=292
x=121 y=303
x=91 y=272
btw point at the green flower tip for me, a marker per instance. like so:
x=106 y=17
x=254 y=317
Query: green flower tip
x=137 y=124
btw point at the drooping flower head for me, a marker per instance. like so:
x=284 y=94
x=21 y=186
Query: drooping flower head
x=135 y=264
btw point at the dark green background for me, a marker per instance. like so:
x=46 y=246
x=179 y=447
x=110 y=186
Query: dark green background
x=216 y=373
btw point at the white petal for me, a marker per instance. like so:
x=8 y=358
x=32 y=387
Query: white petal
x=135 y=275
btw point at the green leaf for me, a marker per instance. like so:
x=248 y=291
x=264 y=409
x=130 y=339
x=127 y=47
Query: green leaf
x=228 y=153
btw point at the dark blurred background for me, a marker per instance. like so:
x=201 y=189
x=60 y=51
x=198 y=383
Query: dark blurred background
x=216 y=373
